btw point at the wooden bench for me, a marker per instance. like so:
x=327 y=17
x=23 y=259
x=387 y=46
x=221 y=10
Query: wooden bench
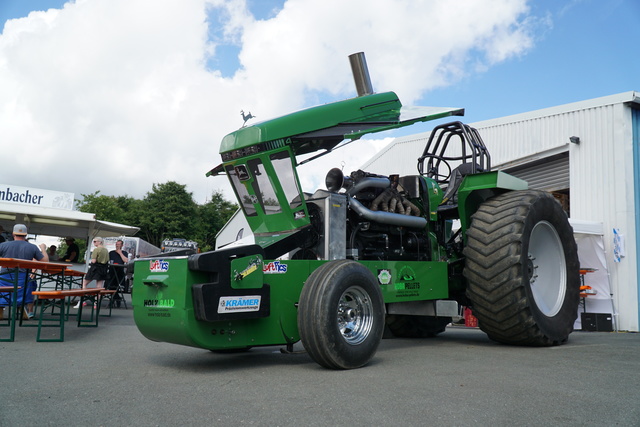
x=57 y=299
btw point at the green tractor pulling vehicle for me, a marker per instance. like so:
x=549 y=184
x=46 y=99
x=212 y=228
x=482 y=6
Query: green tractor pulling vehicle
x=334 y=268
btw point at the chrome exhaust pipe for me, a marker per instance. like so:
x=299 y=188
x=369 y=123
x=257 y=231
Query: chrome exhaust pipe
x=361 y=74
x=387 y=217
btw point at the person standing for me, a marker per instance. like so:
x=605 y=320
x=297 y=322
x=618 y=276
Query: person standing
x=97 y=268
x=117 y=274
x=73 y=251
x=19 y=248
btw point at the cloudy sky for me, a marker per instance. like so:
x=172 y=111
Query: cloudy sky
x=115 y=95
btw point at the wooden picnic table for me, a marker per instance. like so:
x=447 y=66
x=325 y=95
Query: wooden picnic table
x=14 y=267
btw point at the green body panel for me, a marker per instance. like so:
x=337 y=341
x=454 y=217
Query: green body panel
x=311 y=119
x=163 y=304
x=350 y=118
x=477 y=188
x=402 y=281
x=166 y=313
x=435 y=195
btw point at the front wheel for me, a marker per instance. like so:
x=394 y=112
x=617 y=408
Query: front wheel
x=341 y=315
x=522 y=269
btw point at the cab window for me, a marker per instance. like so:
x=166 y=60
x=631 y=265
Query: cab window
x=262 y=187
x=283 y=167
x=247 y=201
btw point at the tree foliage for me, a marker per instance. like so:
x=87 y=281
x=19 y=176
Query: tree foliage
x=212 y=216
x=167 y=211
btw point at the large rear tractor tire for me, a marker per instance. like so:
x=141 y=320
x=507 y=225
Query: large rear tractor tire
x=409 y=326
x=341 y=315
x=522 y=269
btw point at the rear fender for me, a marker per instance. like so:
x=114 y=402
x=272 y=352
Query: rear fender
x=477 y=188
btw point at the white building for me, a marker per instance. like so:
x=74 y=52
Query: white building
x=588 y=154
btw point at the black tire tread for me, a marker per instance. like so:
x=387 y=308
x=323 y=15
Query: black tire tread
x=493 y=269
x=315 y=315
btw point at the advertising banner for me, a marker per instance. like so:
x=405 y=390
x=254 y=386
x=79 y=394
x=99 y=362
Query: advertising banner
x=36 y=197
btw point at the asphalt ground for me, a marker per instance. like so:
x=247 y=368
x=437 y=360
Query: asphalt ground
x=113 y=376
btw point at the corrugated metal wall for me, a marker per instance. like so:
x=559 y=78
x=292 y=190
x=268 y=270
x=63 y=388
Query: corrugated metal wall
x=593 y=161
x=547 y=175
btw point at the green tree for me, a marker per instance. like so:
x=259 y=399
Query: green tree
x=168 y=211
x=105 y=207
x=212 y=216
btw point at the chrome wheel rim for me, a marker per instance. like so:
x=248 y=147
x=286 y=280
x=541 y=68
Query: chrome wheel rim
x=355 y=315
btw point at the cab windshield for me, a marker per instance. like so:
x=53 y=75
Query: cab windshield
x=256 y=184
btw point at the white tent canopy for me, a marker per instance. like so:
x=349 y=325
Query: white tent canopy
x=60 y=222
x=591 y=252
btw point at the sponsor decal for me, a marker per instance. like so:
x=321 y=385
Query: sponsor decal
x=159 y=313
x=253 y=266
x=407 y=274
x=407 y=285
x=159 y=303
x=274 y=267
x=384 y=276
x=239 y=304
x=158 y=265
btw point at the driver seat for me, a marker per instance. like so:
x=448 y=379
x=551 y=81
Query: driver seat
x=450 y=198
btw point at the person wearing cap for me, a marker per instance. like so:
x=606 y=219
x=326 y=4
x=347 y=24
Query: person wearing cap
x=19 y=248
x=97 y=268
x=73 y=251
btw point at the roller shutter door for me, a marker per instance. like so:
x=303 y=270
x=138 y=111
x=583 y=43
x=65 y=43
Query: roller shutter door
x=550 y=174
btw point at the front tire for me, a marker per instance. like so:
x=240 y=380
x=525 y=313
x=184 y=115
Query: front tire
x=522 y=269
x=341 y=315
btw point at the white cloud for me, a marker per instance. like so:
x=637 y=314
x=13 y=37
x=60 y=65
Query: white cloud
x=114 y=95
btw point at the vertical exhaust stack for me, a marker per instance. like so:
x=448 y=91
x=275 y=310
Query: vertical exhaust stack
x=361 y=74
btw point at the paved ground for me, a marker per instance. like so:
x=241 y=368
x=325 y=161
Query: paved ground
x=112 y=376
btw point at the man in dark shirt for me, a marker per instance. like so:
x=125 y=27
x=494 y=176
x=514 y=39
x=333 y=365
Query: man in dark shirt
x=118 y=256
x=73 y=251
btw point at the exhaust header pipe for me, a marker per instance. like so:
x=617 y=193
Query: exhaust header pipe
x=387 y=217
x=361 y=74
